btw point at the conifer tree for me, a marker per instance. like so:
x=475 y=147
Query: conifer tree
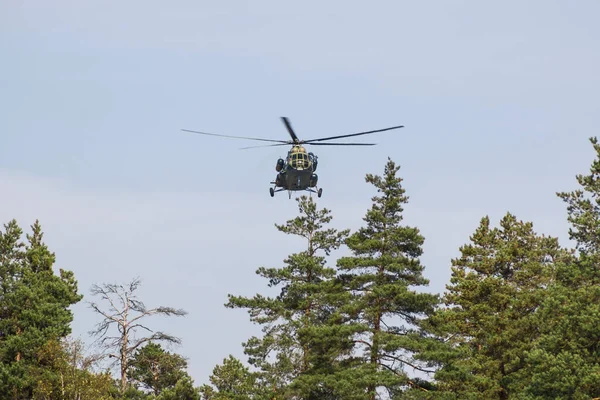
x=34 y=304
x=564 y=361
x=183 y=390
x=233 y=381
x=490 y=322
x=156 y=369
x=298 y=351
x=381 y=275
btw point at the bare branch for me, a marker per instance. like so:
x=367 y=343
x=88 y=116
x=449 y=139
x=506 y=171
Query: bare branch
x=363 y=342
x=134 y=326
x=168 y=311
x=137 y=305
x=158 y=336
x=134 y=284
x=401 y=361
x=113 y=318
x=105 y=292
x=405 y=377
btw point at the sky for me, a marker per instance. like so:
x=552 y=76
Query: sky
x=497 y=100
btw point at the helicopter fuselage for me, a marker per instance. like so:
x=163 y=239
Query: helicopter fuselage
x=297 y=171
x=292 y=179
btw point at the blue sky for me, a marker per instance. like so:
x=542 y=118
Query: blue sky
x=497 y=99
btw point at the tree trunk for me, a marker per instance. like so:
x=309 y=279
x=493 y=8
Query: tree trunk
x=311 y=253
x=154 y=369
x=124 y=362
x=306 y=323
x=376 y=329
x=375 y=347
x=18 y=357
x=503 y=392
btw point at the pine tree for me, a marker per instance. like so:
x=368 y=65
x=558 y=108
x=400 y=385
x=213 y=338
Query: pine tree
x=156 y=369
x=490 y=321
x=298 y=351
x=183 y=390
x=564 y=361
x=381 y=276
x=35 y=307
x=233 y=381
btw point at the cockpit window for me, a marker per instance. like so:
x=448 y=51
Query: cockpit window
x=299 y=160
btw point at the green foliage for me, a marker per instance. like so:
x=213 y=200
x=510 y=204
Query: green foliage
x=183 y=390
x=69 y=374
x=519 y=318
x=385 y=311
x=131 y=393
x=34 y=304
x=233 y=381
x=583 y=208
x=490 y=320
x=564 y=361
x=302 y=335
x=156 y=369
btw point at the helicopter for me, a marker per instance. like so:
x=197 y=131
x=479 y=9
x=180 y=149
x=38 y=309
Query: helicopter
x=297 y=171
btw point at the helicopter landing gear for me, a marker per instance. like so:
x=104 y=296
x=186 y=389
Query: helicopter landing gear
x=273 y=190
x=319 y=192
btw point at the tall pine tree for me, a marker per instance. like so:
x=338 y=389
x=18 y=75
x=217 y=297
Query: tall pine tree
x=489 y=323
x=381 y=275
x=564 y=362
x=298 y=352
x=35 y=308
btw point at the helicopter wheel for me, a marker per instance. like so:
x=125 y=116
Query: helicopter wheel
x=272 y=192
x=320 y=192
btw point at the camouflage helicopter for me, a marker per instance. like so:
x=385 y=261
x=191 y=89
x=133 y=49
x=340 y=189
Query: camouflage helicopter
x=297 y=171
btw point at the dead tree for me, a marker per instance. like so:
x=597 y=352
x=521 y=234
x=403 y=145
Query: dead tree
x=125 y=312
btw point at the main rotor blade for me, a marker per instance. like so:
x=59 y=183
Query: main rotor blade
x=266 y=145
x=238 y=137
x=289 y=128
x=352 y=134
x=342 y=144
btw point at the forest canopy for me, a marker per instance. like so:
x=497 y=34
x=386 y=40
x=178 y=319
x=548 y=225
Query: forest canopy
x=518 y=319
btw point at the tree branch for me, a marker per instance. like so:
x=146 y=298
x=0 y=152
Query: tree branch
x=389 y=356
x=404 y=376
x=155 y=337
x=168 y=311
